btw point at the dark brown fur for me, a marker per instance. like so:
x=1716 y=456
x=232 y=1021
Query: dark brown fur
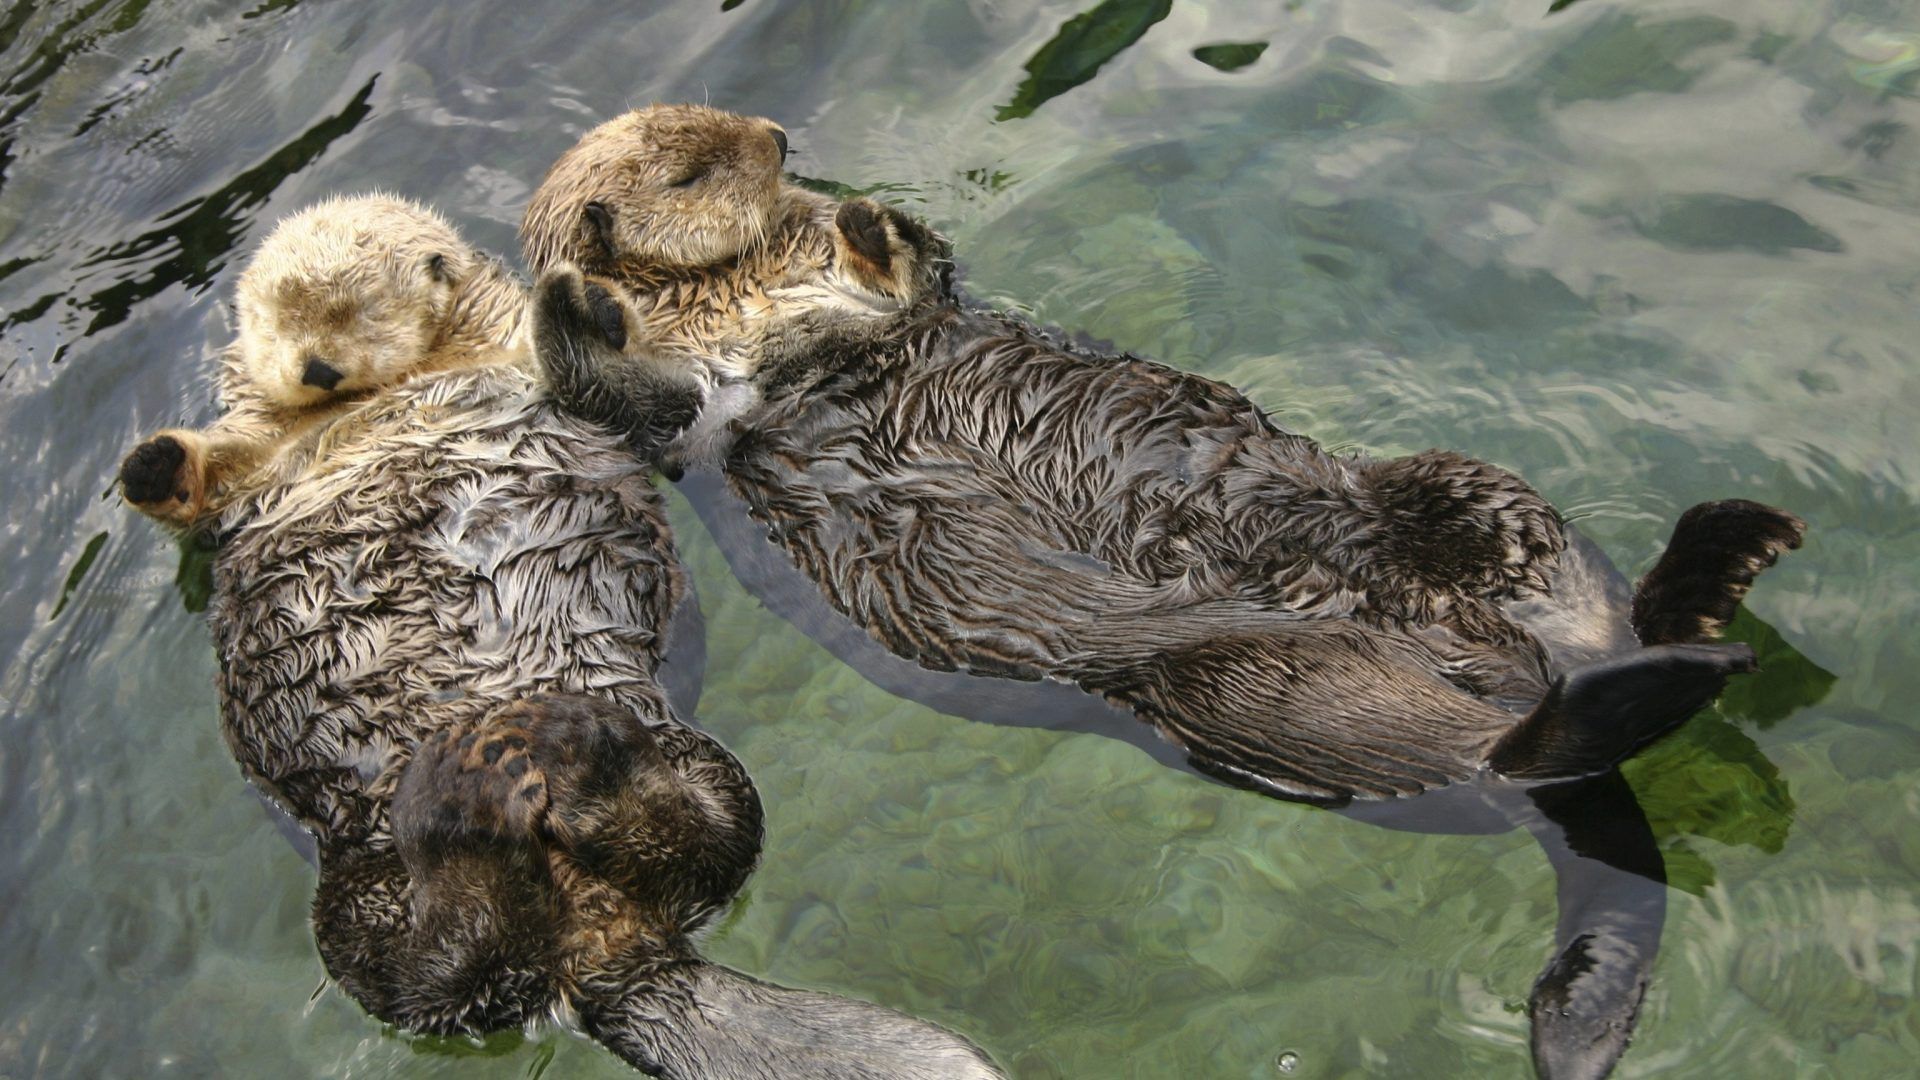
x=980 y=496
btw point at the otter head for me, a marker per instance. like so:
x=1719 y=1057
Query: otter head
x=346 y=296
x=661 y=187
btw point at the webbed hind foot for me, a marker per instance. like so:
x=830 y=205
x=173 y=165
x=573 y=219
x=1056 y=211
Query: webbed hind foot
x=1716 y=551
x=1597 y=714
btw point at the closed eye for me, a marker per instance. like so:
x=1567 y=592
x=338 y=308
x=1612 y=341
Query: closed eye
x=689 y=179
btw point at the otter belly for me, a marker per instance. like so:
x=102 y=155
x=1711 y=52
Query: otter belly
x=452 y=544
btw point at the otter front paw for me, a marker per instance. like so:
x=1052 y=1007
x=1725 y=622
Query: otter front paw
x=880 y=246
x=152 y=473
x=470 y=787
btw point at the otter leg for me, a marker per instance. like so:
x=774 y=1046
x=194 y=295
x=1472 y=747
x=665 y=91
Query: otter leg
x=670 y=1014
x=582 y=338
x=1716 y=551
x=1312 y=711
x=661 y=813
x=1612 y=897
x=452 y=928
x=1597 y=714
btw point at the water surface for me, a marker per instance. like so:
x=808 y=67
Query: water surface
x=1646 y=253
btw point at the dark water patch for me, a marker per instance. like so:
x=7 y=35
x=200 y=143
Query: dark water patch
x=1624 y=55
x=202 y=232
x=271 y=7
x=1711 y=780
x=79 y=572
x=1714 y=222
x=1082 y=46
x=193 y=578
x=1231 y=56
x=1786 y=682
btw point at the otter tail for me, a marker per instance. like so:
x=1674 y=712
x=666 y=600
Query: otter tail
x=1716 y=551
x=1597 y=714
x=692 y=1020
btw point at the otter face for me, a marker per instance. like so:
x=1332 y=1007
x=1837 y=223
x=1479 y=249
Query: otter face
x=346 y=296
x=665 y=186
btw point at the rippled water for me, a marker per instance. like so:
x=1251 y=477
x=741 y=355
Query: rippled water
x=1646 y=253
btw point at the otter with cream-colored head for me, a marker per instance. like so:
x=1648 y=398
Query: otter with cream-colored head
x=343 y=299
x=442 y=608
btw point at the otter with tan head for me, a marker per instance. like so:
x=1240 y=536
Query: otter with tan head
x=979 y=496
x=442 y=608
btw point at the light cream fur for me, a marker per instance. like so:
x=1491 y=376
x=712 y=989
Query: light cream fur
x=379 y=288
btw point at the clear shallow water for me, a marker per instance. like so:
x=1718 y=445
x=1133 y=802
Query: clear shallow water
x=1645 y=253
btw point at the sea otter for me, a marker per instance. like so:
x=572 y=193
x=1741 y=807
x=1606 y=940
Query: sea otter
x=440 y=618
x=979 y=495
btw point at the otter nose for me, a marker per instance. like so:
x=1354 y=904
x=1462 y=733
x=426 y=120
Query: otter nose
x=780 y=140
x=321 y=374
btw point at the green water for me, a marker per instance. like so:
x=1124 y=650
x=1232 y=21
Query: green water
x=1646 y=253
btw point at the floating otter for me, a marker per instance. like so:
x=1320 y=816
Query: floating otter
x=980 y=496
x=440 y=621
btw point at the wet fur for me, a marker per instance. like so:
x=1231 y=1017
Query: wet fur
x=441 y=616
x=979 y=495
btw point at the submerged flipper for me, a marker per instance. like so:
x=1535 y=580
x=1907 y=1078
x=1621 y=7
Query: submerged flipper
x=1597 y=714
x=1716 y=550
x=1612 y=897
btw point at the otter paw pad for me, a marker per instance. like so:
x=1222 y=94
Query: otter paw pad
x=606 y=315
x=151 y=472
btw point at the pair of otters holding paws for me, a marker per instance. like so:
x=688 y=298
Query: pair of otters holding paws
x=444 y=587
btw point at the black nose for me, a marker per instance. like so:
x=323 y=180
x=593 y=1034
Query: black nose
x=321 y=374
x=780 y=140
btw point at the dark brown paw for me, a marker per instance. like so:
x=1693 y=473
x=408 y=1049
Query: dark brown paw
x=606 y=314
x=863 y=223
x=471 y=784
x=575 y=310
x=151 y=472
x=1716 y=551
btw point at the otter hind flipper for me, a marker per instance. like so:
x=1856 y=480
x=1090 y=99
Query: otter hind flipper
x=1597 y=714
x=672 y=1016
x=1716 y=551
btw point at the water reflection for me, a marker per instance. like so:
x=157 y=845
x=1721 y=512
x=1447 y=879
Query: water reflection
x=1455 y=259
x=1231 y=56
x=201 y=233
x=1076 y=53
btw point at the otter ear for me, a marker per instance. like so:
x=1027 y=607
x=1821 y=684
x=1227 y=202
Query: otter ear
x=438 y=269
